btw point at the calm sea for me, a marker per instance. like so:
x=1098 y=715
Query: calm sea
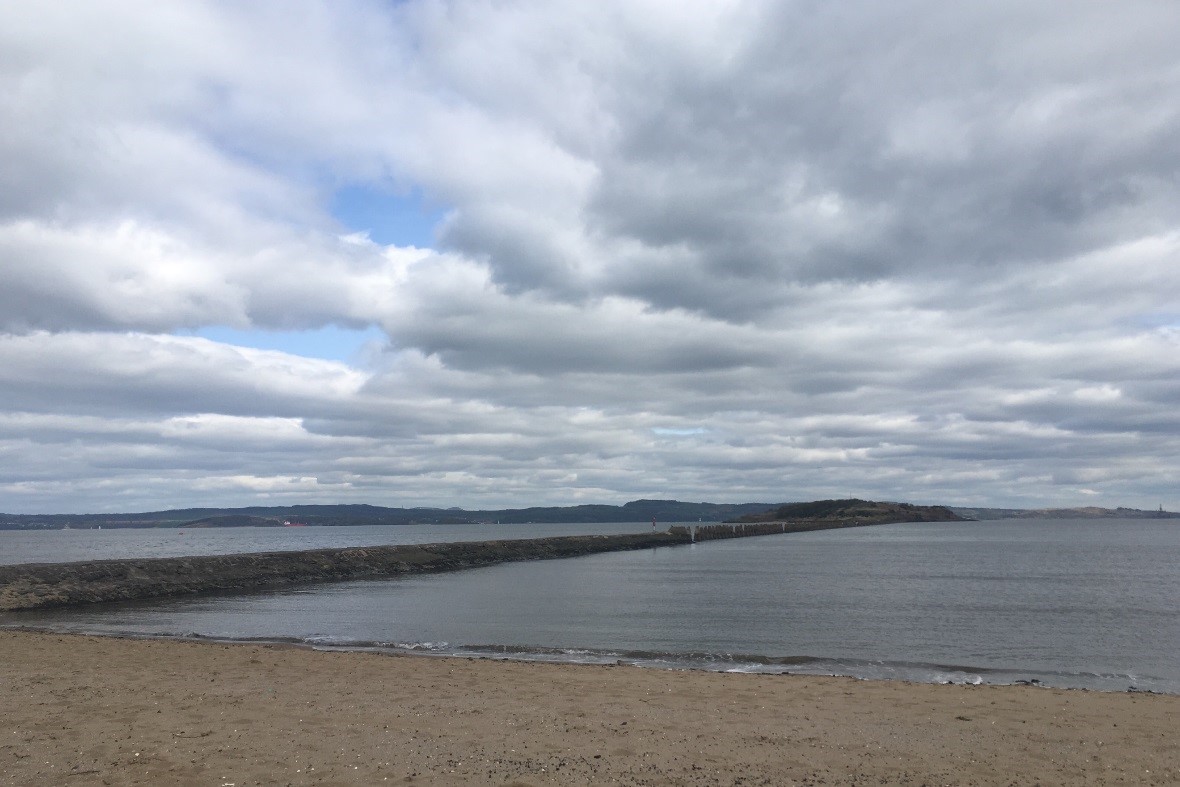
x=60 y=546
x=1079 y=603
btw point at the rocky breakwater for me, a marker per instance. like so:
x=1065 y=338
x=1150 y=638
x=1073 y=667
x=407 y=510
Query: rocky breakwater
x=40 y=585
x=746 y=529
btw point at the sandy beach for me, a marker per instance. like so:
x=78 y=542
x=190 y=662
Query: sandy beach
x=80 y=710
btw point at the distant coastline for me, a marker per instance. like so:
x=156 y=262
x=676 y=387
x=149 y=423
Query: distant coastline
x=1084 y=512
x=662 y=511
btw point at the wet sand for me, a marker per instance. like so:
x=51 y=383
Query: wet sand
x=78 y=710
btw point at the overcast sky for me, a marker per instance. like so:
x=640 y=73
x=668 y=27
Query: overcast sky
x=497 y=253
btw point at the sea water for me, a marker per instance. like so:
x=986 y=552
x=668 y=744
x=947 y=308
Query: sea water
x=67 y=546
x=1077 y=603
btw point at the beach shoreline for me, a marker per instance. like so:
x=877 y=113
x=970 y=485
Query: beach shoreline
x=102 y=710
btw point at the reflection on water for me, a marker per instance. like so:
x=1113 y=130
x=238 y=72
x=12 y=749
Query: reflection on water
x=60 y=546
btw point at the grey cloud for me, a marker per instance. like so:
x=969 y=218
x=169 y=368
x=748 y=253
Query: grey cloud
x=748 y=165
x=111 y=374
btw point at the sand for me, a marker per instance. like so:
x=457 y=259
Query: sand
x=80 y=710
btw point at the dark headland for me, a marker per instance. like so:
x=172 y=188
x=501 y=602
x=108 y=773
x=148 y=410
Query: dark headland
x=863 y=512
x=37 y=585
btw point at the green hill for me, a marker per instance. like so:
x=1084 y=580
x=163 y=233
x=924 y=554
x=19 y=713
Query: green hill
x=864 y=511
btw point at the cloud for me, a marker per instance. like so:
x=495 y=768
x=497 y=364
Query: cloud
x=108 y=374
x=749 y=250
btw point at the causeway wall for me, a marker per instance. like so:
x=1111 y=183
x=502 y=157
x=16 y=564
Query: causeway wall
x=42 y=585
x=744 y=529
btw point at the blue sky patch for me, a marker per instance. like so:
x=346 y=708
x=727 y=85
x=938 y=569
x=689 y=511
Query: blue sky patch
x=331 y=342
x=388 y=218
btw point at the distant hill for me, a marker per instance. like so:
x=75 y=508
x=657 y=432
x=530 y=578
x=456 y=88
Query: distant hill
x=864 y=511
x=663 y=511
x=1085 y=512
x=635 y=511
x=235 y=520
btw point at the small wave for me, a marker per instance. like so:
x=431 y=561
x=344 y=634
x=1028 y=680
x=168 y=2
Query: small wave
x=918 y=672
x=431 y=647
